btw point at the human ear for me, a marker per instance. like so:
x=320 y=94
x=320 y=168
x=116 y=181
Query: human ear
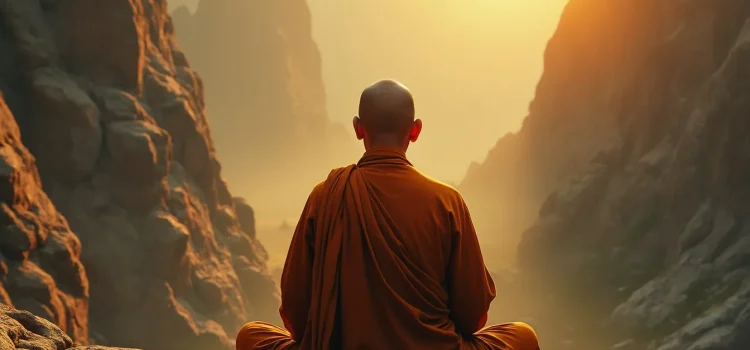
x=359 y=129
x=415 y=130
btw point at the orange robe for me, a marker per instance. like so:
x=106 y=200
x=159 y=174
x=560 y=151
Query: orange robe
x=384 y=257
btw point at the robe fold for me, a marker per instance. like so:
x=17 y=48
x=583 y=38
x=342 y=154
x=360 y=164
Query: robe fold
x=384 y=257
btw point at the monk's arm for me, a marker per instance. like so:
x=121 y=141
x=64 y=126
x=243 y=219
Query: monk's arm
x=471 y=288
x=296 y=278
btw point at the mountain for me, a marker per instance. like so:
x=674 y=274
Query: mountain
x=116 y=223
x=627 y=185
x=264 y=90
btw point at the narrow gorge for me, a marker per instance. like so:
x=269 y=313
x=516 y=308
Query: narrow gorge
x=615 y=218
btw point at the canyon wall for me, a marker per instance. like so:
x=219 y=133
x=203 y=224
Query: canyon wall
x=629 y=181
x=116 y=223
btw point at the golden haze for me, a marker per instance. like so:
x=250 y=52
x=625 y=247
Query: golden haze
x=472 y=65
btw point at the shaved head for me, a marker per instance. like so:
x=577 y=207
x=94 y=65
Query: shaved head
x=387 y=108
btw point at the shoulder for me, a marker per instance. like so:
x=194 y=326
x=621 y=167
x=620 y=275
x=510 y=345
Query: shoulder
x=445 y=191
x=336 y=172
x=317 y=189
x=321 y=188
x=450 y=201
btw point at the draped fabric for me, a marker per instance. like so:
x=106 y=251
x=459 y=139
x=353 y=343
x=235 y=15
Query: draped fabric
x=384 y=257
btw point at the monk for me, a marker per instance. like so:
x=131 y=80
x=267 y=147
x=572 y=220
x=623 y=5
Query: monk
x=384 y=257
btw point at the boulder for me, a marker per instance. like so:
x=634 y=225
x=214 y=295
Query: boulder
x=23 y=330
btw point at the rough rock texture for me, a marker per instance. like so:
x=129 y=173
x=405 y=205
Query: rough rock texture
x=114 y=116
x=23 y=330
x=264 y=89
x=648 y=246
x=40 y=267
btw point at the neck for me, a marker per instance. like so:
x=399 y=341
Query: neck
x=386 y=141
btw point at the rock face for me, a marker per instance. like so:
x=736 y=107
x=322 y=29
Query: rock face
x=115 y=120
x=40 y=266
x=264 y=89
x=644 y=104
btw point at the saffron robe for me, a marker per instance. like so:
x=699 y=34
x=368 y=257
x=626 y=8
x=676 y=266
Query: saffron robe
x=384 y=257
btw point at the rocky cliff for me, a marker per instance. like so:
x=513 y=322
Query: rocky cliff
x=116 y=223
x=633 y=161
x=264 y=89
x=40 y=266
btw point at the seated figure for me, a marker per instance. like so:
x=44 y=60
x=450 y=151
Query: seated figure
x=384 y=257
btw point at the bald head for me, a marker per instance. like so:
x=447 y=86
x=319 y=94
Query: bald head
x=387 y=108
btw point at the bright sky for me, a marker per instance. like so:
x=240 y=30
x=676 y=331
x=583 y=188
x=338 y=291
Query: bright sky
x=472 y=65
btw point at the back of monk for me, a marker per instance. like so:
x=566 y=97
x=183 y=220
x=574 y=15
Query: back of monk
x=384 y=257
